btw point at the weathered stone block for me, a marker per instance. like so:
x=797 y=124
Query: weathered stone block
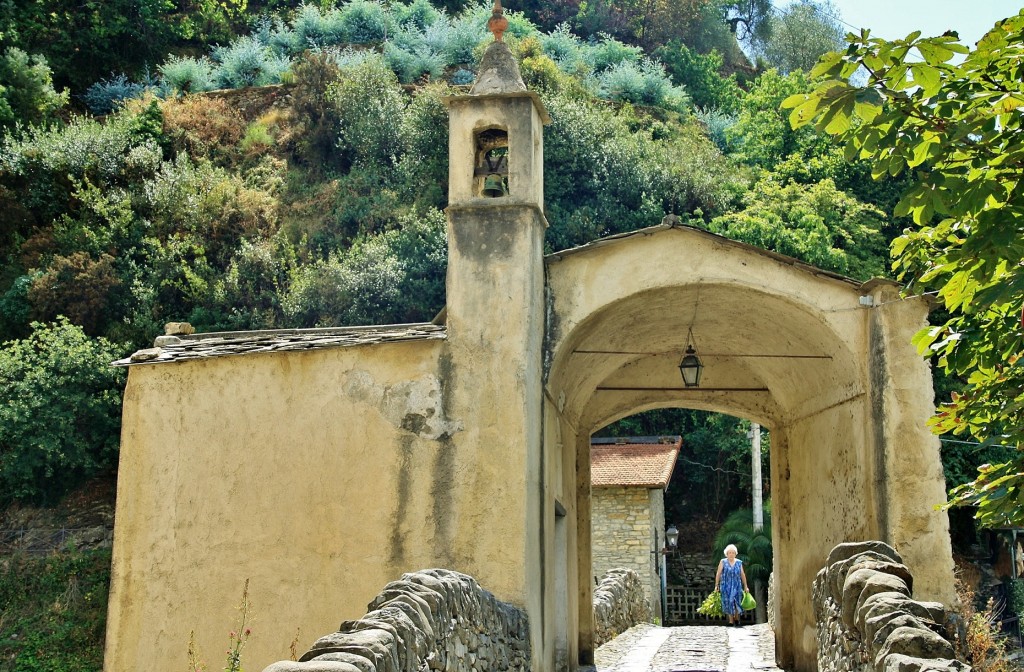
x=901 y=663
x=913 y=642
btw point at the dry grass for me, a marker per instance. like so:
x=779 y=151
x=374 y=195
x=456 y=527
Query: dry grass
x=976 y=637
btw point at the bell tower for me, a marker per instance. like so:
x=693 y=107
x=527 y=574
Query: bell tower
x=495 y=315
x=496 y=146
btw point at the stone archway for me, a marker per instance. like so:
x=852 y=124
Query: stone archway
x=824 y=361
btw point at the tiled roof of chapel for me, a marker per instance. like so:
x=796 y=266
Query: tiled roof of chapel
x=646 y=461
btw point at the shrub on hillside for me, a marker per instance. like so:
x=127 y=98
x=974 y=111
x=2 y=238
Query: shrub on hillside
x=643 y=83
x=817 y=223
x=606 y=52
x=700 y=75
x=77 y=286
x=423 y=167
x=369 y=104
x=184 y=74
x=313 y=29
x=414 y=63
x=45 y=165
x=60 y=410
x=27 y=95
x=106 y=95
x=55 y=609
x=366 y=21
x=248 y=62
x=419 y=14
x=202 y=126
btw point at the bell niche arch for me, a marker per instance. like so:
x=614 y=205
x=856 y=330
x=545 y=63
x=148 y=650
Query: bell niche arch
x=491 y=171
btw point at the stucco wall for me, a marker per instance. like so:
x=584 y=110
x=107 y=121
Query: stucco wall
x=319 y=476
x=796 y=349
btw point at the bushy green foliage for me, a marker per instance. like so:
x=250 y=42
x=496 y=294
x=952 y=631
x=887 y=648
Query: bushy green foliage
x=419 y=14
x=700 y=75
x=369 y=104
x=184 y=74
x=605 y=52
x=817 y=224
x=717 y=122
x=415 y=62
x=45 y=166
x=107 y=95
x=801 y=33
x=27 y=95
x=55 y=610
x=366 y=21
x=643 y=83
x=754 y=547
x=614 y=176
x=60 y=410
x=423 y=169
x=248 y=62
x=395 y=276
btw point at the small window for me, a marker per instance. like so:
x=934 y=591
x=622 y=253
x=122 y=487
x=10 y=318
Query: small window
x=491 y=170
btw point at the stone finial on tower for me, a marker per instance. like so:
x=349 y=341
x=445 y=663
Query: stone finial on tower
x=497 y=24
x=498 y=70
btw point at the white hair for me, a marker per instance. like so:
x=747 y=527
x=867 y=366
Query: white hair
x=733 y=547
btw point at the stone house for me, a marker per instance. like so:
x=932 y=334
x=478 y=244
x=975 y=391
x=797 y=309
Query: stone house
x=628 y=477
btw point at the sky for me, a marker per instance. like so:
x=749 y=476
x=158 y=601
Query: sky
x=895 y=19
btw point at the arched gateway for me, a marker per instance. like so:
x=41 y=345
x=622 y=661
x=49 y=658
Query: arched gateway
x=321 y=464
x=824 y=361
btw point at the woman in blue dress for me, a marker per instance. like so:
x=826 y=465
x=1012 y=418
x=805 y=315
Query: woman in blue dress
x=732 y=582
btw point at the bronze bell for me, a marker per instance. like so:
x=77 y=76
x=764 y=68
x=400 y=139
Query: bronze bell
x=494 y=186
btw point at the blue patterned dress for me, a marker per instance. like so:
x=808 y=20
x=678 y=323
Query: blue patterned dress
x=731 y=586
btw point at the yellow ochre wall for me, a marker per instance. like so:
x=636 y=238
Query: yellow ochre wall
x=319 y=476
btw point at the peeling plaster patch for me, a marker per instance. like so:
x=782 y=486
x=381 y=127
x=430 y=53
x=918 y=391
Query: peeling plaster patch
x=413 y=405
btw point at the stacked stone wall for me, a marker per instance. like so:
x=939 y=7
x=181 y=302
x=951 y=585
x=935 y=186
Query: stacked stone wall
x=867 y=620
x=434 y=620
x=622 y=535
x=619 y=604
x=693 y=569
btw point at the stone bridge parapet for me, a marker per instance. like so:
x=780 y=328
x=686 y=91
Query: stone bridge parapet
x=432 y=620
x=867 y=620
x=619 y=604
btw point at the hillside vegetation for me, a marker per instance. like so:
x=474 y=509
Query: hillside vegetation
x=318 y=202
x=266 y=164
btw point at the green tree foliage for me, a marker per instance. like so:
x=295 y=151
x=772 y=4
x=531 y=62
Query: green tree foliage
x=700 y=75
x=27 y=95
x=815 y=223
x=615 y=176
x=754 y=547
x=60 y=410
x=396 y=276
x=801 y=34
x=55 y=611
x=763 y=137
x=956 y=127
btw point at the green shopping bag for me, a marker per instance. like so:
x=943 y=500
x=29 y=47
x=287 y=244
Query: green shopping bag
x=747 y=603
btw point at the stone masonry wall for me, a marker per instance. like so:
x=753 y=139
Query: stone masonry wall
x=622 y=534
x=434 y=620
x=867 y=621
x=619 y=604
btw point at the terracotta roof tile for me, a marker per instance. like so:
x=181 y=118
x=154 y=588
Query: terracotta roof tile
x=641 y=461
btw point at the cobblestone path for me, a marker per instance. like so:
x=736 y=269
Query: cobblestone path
x=649 y=648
